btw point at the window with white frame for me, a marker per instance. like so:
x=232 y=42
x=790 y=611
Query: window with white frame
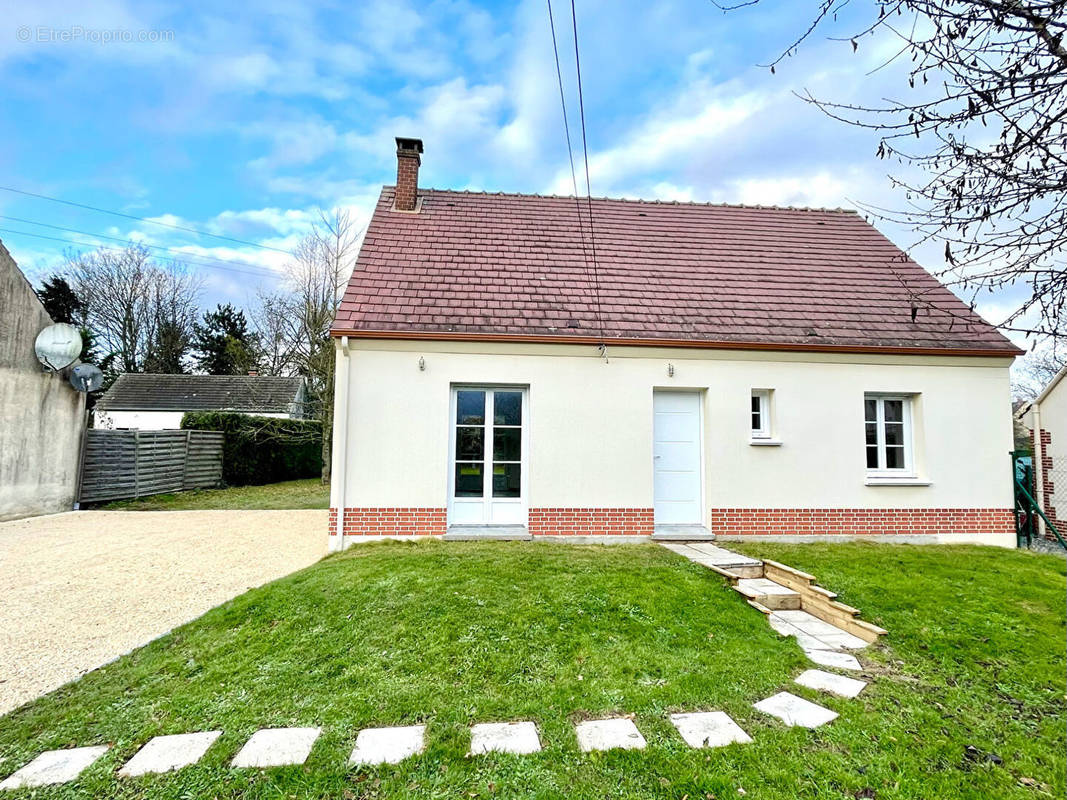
x=761 y=414
x=887 y=424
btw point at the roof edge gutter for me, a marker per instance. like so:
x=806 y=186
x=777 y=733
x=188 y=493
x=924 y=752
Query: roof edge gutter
x=467 y=336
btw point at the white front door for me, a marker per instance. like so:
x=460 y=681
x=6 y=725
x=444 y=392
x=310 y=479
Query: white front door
x=676 y=445
x=488 y=454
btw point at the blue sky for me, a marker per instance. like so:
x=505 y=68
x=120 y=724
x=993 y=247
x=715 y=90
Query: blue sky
x=244 y=123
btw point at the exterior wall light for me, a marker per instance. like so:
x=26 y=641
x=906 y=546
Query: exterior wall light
x=670 y=370
x=422 y=364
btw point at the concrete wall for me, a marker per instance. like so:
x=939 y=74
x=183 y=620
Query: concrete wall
x=41 y=415
x=590 y=425
x=149 y=420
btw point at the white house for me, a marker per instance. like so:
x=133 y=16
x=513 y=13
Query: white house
x=149 y=401
x=519 y=365
x=1046 y=419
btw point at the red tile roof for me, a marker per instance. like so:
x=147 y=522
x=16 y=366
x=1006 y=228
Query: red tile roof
x=472 y=265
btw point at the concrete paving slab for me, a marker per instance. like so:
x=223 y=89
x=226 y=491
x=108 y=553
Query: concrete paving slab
x=795 y=711
x=833 y=658
x=757 y=587
x=722 y=557
x=54 y=766
x=709 y=729
x=277 y=747
x=829 y=682
x=166 y=753
x=504 y=737
x=609 y=734
x=388 y=745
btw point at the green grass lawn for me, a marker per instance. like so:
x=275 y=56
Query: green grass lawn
x=307 y=493
x=455 y=633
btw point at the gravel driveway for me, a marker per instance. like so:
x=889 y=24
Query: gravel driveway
x=80 y=589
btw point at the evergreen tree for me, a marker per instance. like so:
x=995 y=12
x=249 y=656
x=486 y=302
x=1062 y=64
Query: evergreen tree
x=168 y=349
x=223 y=343
x=60 y=301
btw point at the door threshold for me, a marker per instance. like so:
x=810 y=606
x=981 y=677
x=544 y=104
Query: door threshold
x=682 y=533
x=487 y=533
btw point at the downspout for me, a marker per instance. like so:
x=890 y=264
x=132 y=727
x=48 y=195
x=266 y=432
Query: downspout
x=340 y=441
x=1039 y=467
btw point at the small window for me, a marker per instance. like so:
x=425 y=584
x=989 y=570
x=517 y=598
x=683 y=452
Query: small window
x=887 y=432
x=761 y=413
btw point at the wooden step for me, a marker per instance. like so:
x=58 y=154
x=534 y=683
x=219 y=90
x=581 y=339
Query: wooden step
x=769 y=594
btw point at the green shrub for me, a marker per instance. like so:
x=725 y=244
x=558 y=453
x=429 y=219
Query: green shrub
x=262 y=449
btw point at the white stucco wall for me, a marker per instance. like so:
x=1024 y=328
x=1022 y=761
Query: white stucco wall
x=147 y=420
x=1053 y=417
x=590 y=424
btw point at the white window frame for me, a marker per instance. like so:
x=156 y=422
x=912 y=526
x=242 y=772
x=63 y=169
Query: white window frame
x=908 y=470
x=764 y=431
x=519 y=505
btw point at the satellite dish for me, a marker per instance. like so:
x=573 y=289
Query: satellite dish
x=86 y=378
x=58 y=346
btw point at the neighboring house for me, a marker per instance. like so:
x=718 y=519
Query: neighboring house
x=41 y=415
x=739 y=370
x=157 y=402
x=1046 y=420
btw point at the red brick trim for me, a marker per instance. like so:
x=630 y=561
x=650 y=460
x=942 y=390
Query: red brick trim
x=1048 y=485
x=590 y=521
x=860 y=521
x=390 y=521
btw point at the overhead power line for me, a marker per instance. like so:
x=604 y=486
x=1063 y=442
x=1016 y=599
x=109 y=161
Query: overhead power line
x=192 y=258
x=119 y=250
x=143 y=219
x=570 y=155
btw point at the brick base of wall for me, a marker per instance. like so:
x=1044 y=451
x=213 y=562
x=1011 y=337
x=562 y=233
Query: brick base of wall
x=726 y=521
x=590 y=522
x=390 y=521
x=1048 y=484
x=860 y=521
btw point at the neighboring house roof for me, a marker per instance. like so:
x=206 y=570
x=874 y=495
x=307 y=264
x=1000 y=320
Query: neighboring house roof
x=150 y=392
x=505 y=266
x=1052 y=384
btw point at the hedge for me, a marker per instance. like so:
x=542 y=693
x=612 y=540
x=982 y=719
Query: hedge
x=262 y=449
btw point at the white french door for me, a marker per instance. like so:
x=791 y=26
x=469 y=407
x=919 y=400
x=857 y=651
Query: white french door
x=487 y=483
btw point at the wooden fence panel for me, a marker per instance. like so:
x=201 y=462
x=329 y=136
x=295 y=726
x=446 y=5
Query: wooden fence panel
x=122 y=464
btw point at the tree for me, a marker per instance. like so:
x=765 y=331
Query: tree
x=60 y=301
x=127 y=299
x=63 y=305
x=986 y=124
x=169 y=349
x=223 y=343
x=1034 y=371
x=298 y=318
x=273 y=329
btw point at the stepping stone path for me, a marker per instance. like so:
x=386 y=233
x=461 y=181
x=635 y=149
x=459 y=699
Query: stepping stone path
x=504 y=737
x=709 y=729
x=54 y=766
x=609 y=734
x=388 y=745
x=274 y=747
x=834 y=658
x=277 y=747
x=828 y=682
x=795 y=711
x=166 y=753
x=811 y=630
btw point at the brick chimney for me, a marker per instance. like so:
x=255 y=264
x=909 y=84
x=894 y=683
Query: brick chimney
x=407 y=173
